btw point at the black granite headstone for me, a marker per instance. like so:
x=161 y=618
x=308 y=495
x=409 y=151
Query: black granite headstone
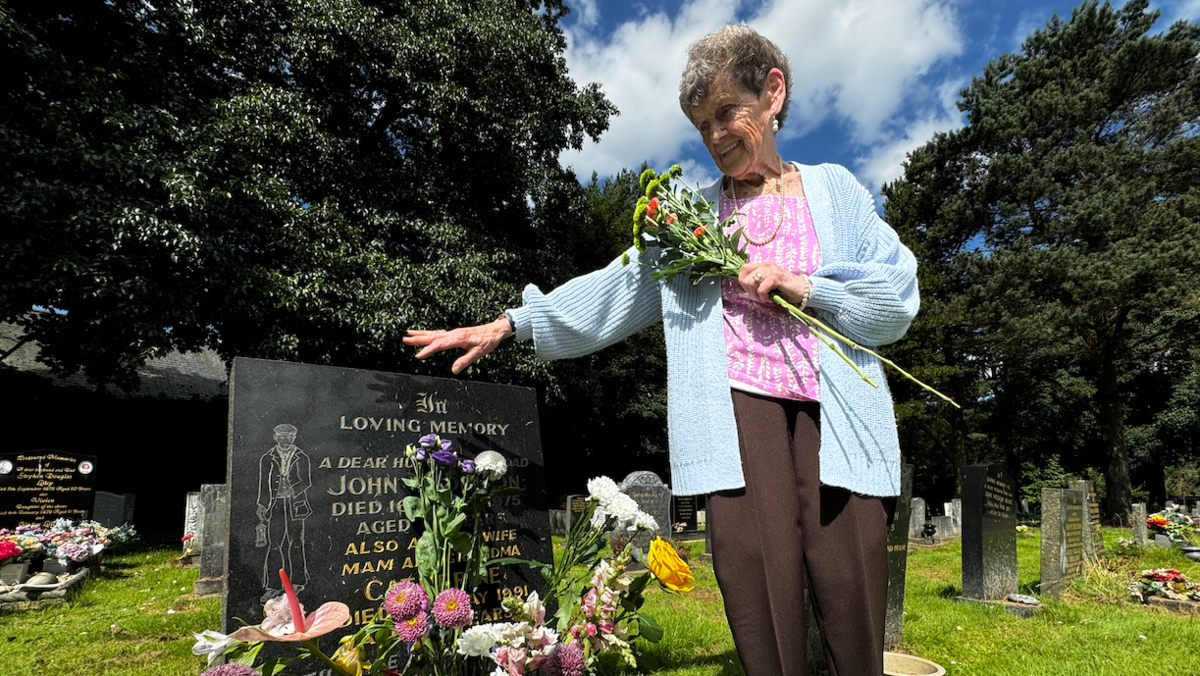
x=112 y=509
x=654 y=498
x=576 y=504
x=898 y=561
x=44 y=486
x=338 y=527
x=989 y=539
x=685 y=513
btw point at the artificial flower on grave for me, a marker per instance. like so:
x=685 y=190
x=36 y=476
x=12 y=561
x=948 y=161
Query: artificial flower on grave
x=8 y=550
x=1174 y=524
x=1165 y=582
x=692 y=241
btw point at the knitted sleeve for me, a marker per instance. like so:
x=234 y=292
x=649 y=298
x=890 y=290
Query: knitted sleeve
x=590 y=312
x=868 y=288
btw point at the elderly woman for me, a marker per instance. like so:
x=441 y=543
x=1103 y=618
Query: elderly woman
x=798 y=454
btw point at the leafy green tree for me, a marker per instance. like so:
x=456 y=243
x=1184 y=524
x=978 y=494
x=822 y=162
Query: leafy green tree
x=1071 y=204
x=285 y=179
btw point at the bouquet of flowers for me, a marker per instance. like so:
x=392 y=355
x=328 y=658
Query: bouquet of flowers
x=66 y=540
x=427 y=621
x=692 y=241
x=1166 y=582
x=1174 y=524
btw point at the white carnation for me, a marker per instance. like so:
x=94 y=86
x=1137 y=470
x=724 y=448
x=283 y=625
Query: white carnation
x=622 y=506
x=602 y=489
x=491 y=464
x=644 y=521
x=478 y=641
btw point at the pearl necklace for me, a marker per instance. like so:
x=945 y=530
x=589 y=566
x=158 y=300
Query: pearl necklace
x=778 y=224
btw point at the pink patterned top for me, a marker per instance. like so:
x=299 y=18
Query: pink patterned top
x=769 y=352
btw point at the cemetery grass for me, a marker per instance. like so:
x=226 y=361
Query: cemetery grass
x=121 y=622
x=1095 y=629
x=136 y=617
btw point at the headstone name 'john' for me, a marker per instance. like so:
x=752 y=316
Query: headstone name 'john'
x=316 y=469
x=989 y=537
x=46 y=485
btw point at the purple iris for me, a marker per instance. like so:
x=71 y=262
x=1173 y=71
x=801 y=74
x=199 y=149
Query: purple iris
x=467 y=465
x=445 y=457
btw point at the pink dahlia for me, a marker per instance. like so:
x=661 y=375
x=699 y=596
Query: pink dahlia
x=233 y=669
x=566 y=660
x=452 y=609
x=405 y=600
x=412 y=629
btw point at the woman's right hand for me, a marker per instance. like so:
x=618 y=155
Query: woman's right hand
x=476 y=341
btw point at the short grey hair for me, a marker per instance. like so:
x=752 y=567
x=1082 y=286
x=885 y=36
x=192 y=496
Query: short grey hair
x=736 y=50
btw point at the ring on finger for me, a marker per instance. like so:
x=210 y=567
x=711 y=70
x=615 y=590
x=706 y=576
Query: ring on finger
x=758 y=278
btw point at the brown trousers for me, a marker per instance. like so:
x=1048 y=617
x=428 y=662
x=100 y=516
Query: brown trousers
x=784 y=523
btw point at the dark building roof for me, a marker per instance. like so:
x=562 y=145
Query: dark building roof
x=193 y=375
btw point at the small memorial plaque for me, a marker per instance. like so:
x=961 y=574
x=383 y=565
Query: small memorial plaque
x=44 y=486
x=1073 y=527
x=316 y=468
x=685 y=514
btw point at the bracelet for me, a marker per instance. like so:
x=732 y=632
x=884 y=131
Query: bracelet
x=807 y=293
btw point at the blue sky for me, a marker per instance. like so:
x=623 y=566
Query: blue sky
x=873 y=78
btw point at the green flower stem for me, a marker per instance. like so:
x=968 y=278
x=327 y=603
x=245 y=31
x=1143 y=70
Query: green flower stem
x=311 y=645
x=819 y=328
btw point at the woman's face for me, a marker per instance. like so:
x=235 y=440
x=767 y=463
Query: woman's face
x=735 y=125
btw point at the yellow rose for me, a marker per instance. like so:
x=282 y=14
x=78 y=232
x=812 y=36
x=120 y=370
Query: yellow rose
x=670 y=570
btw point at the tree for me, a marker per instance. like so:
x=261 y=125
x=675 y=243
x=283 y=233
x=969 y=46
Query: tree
x=1071 y=202
x=281 y=179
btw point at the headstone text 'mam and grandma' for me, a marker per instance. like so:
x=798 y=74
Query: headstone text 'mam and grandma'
x=316 y=467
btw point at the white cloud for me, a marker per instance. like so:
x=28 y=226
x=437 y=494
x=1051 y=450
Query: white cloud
x=856 y=61
x=883 y=162
x=1180 y=9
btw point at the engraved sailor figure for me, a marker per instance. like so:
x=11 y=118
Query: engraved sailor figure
x=284 y=477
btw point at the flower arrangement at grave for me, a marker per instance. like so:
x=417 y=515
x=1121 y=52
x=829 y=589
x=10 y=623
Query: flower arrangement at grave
x=587 y=610
x=693 y=241
x=66 y=540
x=1175 y=525
x=1166 y=583
x=9 y=551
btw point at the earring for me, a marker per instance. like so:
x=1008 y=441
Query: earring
x=774 y=125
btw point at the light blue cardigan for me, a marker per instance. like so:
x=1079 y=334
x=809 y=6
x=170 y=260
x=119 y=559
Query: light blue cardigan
x=866 y=288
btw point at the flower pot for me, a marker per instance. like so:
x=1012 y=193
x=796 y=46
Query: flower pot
x=13 y=574
x=898 y=664
x=58 y=566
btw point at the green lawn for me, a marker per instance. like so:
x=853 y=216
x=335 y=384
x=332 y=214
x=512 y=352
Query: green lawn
x=138 y=617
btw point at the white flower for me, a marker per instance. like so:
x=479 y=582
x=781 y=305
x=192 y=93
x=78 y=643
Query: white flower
x=279 y=617
x=644 y=521
x=602 y=489
x=491 y=464
x=534 y=609
x=211 y=643
x=622 y=506
x=478 y=641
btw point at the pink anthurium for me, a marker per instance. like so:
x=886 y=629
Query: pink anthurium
x=325 y=619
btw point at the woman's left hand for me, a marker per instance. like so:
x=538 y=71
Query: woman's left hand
x=760 y=279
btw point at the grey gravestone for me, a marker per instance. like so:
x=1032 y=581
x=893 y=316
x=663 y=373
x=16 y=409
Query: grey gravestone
x=1163 y=541
x=989 y=537
x=898 y=561
x=654 y=498
x=214 y=501
x=339 y=435
x=43 y=486
x=1169 y=505
x=956 y=511
x=112 y=509
x=193 y=517
x=685 y=514
x=1024 y=506
x=916 y=521
x=1139 y=523
x=1062 y=538
x=944 y=525
x=576 y=504
x=1091 y=520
